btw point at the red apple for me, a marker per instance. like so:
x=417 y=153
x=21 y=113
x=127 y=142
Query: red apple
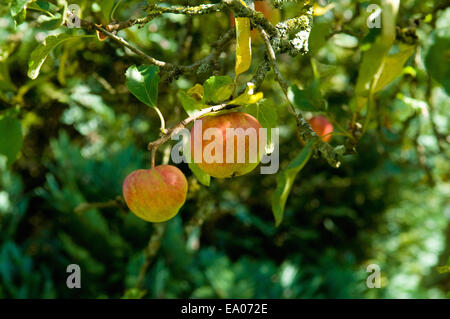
x=155 y=195
x=210 y=152
x=321 y=126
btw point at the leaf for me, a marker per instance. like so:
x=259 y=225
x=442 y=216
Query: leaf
x=373 y=58
x=248 y=97
x=134 y=293
x=266 y=114
x=318 y=37
x=201 y=176
x=18 y=10
x=392 y=67
x=197 y=92
x=318 y=10
x=217 y=89
x=437 y=58
x=41 y=52
x=10 y=137
x=5 y=79
x=50 y=23
x=309 y=99
x=143 y=82
x=285 y=180
x=243 y=45
x=189 y=101
x=106 y=6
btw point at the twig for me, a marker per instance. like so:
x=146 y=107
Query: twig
x=117 y=203
x=202 y=64
x=152 y=146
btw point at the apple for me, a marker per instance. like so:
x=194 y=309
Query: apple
x=321 y=126
x=157 y=194
x=212 y=144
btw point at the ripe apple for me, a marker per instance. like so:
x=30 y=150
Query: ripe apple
x=321 y=126
x=157 y=194
x=212 y=144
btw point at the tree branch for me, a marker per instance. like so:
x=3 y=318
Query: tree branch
x=304 y=128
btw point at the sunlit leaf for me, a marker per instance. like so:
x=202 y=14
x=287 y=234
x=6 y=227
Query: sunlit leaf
x=41 y=52
x=248 y=97
x=243 y=45
x=190 y=102
x=143 y=82
x=392 y=67
x=373 y=58
x=19 y=10
x=285 y=180
x=318 y=10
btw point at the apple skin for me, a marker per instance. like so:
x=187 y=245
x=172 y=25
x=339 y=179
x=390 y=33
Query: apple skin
x=155 y=195
x=222 y=122
x=321 y=126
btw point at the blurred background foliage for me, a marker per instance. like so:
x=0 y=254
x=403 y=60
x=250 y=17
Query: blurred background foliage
x=80 y=132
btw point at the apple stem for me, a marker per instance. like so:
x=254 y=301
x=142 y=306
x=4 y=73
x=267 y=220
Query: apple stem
x=153 y=156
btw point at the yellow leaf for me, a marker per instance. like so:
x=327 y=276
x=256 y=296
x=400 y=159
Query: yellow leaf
x=243 y=45
x=248 y=97
x=318 y=10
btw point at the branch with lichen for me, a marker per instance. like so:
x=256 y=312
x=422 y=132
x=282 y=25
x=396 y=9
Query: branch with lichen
x=202 y=66
x=303 y=127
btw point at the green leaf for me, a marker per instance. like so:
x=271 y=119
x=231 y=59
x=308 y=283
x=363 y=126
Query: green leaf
x=285 y=180
x=309 y=99
x=318 y=37
x=201 y=176
x=265 y=112
x=43 y=6
x=10 y=137
x=41 y=52
x=134 y=293
x=18 y=10
x=191 y=99
x=50 y=23
x=437 y=59
x=143 y=82
x=5 y=79
x=218 y=89
x=373 y=58
x=392 y=67
x=106 y=6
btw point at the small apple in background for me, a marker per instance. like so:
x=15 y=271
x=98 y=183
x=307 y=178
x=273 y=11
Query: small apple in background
x=157 y=194
x=221 y=123
x=321 y=126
